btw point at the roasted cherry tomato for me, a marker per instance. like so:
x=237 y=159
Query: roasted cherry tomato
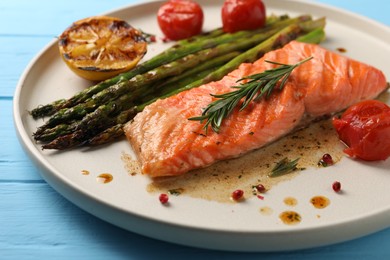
x=365 y=129
x=243 y=15
x=180 y=19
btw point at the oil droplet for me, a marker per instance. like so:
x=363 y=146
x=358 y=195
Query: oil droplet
x=290 y=217
x=290 y=201
x=84 y=172
x=320 y=202
x=266 y=211
x=104 y=178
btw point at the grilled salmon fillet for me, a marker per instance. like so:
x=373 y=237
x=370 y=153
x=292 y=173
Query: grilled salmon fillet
x=167 y=143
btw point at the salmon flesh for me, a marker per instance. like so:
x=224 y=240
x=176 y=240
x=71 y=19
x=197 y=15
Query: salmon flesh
x=167 y=143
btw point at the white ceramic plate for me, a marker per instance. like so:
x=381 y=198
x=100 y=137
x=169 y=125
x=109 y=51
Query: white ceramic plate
x=363 y=208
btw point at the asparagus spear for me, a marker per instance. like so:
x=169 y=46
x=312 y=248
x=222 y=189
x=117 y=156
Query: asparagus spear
x=189 y=74
x=315 y=36
x=219 y=31
x=174 y=68
x=115 y=131
x=107 y=136
x=171 y=54
x=312 y=32
x=207 y=35
x=50 y=134
x=102 y=116
x=79 y=137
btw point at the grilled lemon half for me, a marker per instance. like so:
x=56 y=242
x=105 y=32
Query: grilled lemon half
x=101 y=47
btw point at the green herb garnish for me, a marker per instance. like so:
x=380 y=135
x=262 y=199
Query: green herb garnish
x=259 y=85
x=176 y=192
x=283 y=167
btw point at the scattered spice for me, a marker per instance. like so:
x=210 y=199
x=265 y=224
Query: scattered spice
x=150 y=38
x=336 y=186
x=326 y=160
x=165 y=39
x=163 y=198
x=237 y=195
x=259 y=188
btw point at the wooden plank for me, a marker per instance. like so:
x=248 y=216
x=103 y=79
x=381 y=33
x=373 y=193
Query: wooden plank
x=22 y=39
x=36 y=17
x=17 y=52
x=15 y=166
x=40 y=224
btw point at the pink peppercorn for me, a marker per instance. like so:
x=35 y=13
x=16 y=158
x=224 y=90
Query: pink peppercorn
x=260 y=188
x=260 y=197
x=163 y=198
x=237 y=194
x=326 y=160
x=336 y=186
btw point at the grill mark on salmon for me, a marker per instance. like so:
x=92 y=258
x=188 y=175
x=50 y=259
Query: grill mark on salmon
x=167 y=143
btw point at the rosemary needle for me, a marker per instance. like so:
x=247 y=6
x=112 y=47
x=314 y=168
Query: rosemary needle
x=283 y=167
x=258 y=85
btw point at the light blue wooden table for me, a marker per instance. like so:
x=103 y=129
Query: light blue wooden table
x=37 y=223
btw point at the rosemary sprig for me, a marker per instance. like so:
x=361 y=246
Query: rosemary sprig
x=257 y=86
x=283 y=167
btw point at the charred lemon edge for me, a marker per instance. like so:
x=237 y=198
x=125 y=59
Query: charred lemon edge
x=94 y=73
